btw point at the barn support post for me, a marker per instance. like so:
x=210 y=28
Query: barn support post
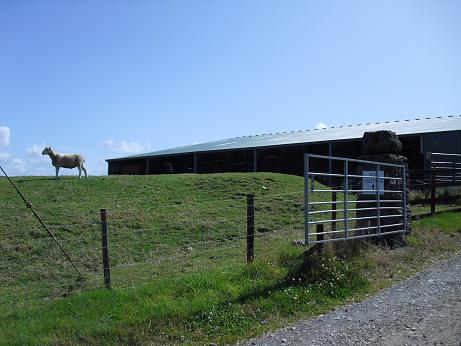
x=195 y=163
x=250 y=228
x=105 y=248
x=454 y=170
x=433 y=176
x=255 y=161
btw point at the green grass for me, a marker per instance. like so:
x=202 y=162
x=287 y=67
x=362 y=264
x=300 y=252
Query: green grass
x=172 y=224
x=158 y=225
x=447 y=222
x=215 y=306
x=164 y=291
x=426 y=209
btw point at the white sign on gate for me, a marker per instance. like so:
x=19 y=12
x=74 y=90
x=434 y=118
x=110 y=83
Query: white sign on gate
x=369 y=182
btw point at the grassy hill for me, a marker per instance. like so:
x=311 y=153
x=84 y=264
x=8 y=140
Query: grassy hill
x=160 y=228
x=151 y=219
x=177 y=248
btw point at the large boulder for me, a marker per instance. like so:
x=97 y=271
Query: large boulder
x=381 y=142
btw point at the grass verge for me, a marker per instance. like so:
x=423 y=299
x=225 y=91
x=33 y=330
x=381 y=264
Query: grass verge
x=224 y=307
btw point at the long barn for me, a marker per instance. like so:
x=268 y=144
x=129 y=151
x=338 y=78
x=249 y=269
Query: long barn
x=283 y=152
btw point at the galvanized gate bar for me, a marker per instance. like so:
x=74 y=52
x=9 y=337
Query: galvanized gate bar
x=360 y=228
x=353 y=218
x=350 y=209
x=353 y=160
x=378 y=203
x=346 y=197
x=404 y=190
x=356 y=190
x=351 y=175
x=362 y=201
x=306 y=199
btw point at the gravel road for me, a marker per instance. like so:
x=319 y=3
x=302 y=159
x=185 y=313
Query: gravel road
x=422 y=310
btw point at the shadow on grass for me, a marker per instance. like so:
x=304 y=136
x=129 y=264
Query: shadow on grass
x=316 y=265
x=303 y=269
x=67 y=177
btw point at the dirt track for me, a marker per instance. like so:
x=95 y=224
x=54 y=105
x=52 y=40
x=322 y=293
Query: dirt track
x=422 y=310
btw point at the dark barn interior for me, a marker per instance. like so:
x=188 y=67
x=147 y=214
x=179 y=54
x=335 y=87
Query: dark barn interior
x=283 y=158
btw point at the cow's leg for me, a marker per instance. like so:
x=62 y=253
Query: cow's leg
x=84 y=170
x=79 y=172
x=57 y=171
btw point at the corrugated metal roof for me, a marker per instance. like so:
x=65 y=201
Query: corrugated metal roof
x=401 y=127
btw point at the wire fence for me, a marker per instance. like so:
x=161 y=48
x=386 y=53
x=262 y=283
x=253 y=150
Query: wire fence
x=145 y=244
x=152 y=240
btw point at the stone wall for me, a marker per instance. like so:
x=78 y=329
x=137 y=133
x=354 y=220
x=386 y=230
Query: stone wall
x=384 y=146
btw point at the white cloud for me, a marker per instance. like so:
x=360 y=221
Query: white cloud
x=4 y=136
x=18 y=165
x=133 y=147
x=35 y=150
x=99 y=167
x=108 y=143
x=320 y=126
x=125 y=147
x=4 y=156
x=35 y=157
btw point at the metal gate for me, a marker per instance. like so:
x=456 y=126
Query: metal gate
x=350 y=199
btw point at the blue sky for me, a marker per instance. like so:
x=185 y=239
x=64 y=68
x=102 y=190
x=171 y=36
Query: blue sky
x=114 y=78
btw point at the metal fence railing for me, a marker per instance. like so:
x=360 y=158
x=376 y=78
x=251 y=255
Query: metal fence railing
x=431 y=194
x=349 y=199
x=448 y=166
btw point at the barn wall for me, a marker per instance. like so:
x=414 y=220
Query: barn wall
x=128 y=167
x=411 y=149
x=283 y=159
x=172 y=164
x=226 y=161
x=442 y=142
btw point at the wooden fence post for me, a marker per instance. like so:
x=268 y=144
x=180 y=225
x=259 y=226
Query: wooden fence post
x=250 y=227
x=433 y=193
x=105 y=248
